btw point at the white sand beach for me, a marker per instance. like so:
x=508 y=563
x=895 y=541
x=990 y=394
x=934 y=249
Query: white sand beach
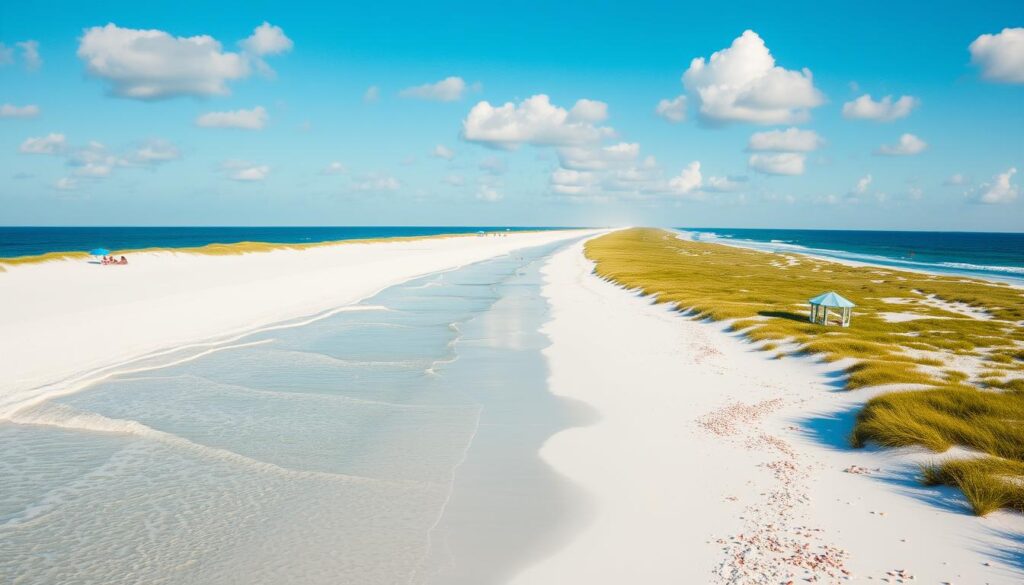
x=709 y=462
x=712 y=463
x=72 y=317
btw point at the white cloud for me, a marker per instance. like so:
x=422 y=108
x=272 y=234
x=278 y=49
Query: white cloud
x=956 y=179
x=6 y=55
x=449 y=89
x=571 y=182
x=673 y=110
x=442 y=151
x=488 y=193
x=267 y=39
x=254 y=119
x=334 y=168
x=907 y=145
x=243 y=171
x=688 y=181
x=862 y=185
x=65 y=184
x=533 y=121
x=13 y=111
x=371 y=95
x=1000 y=56
x=52 y=143
x=884 y=110
x=377 y=183
x=1001 y=189
x=589 y=158
x=155 y=152
x=782 y=163
x=789 y=140
x=723 y=184
x=588 y=111
x=30 y=54
x=152 y=64
x=742 y=84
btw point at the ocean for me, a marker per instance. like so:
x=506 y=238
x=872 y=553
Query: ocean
x=391 y=441
x=996 y=256
x=31 y=241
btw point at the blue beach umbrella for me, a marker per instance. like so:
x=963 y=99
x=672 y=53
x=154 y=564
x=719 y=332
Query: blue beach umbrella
x=99 y=252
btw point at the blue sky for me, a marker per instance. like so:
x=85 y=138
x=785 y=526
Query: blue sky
x=140 y=123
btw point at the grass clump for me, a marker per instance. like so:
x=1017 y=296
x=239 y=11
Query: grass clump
x=988 y=483
x=765 y=301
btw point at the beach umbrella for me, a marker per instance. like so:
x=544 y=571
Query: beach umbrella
x=99 y=252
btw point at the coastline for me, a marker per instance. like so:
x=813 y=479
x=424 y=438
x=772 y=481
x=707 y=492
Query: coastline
x=709 y=455
x=73 y=318
x=765 y=247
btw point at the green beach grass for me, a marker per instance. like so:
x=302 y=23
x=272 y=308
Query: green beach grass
x=951 y=347
x=232 y=249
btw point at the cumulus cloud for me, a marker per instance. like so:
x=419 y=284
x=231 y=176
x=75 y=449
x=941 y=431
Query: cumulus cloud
x=30 y=54
x=267 y=39
x=244 y=171
x=442 y=151
x=371 y=95
x=534 y=121
x=488 y=193
x=65 y=184
x=782 y=163
x=571 y=182
x=13 y=111
x=1000 y=56
x=1000 y=190
x=153 y=64
x=673 y=110
x=254 y=119
x=862 y=185
x=742 y=83
x=688 y=181
x=724 y=184
x=52 y=143
x=907 y=145
x=154 y=152
x=956 y=179
x=588 y=111
x=884 y=110
x=593 y=158
x=789 y=140
x=377 y=183
x=449 y=89
x=334 y=168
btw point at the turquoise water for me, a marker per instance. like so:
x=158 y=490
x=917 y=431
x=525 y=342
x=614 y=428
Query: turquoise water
x=29 y=241
x=997 y=256
x=393 y=443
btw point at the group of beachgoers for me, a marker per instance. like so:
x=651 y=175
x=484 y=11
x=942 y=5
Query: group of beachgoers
x=111 y=260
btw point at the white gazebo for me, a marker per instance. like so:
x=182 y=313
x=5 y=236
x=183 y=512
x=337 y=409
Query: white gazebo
x=830 y=300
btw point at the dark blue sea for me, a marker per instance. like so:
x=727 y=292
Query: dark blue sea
x=30 y=241
x=998 y=256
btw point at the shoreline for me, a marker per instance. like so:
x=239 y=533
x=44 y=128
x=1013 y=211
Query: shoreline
x=165 y=300
x=709 y=455
x=251 y=246
x=1014 y=281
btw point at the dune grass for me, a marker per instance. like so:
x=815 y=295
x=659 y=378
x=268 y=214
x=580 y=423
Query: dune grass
x=938 y=401
x=233 y=249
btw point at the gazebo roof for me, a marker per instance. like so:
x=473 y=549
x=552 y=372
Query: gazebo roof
x=831 y=299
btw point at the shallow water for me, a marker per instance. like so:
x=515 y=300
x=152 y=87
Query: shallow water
x=393 y=443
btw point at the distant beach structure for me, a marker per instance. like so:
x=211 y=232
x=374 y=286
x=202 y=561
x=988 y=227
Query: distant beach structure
x=821 y=304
